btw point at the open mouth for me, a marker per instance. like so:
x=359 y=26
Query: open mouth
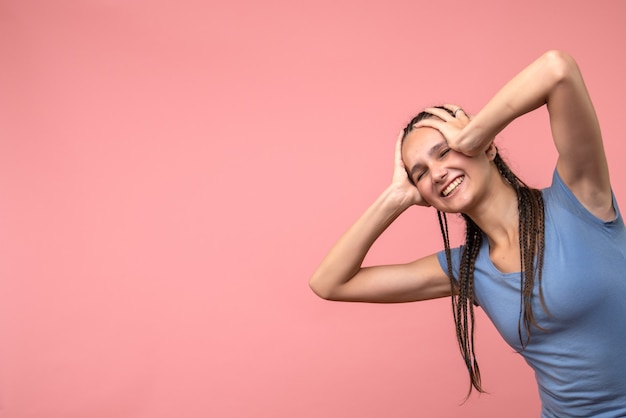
x=452 y=186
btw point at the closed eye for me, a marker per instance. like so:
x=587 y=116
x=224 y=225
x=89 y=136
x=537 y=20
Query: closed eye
x=443 y=153
x=439 y=150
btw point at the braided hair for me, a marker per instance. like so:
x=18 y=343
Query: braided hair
x=531 y=242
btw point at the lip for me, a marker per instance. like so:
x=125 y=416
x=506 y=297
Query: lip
x=449 y=183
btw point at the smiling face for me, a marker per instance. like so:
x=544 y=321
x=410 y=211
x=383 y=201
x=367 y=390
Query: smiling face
x=446 y=179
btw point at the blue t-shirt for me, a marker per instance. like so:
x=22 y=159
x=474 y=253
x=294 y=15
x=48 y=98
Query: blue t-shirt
x=580 y=361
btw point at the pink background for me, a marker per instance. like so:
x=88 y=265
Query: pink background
x=171 y=173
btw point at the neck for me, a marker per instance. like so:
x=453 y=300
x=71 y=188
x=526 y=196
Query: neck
x=498 y=215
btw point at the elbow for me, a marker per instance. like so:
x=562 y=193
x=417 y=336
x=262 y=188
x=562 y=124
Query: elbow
x=320 y=294
x=560 y=65
x=322 y=291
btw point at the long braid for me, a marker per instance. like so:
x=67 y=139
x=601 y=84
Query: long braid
x=532 y=243
x=463 y=294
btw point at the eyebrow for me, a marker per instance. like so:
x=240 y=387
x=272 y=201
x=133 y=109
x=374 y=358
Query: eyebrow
x=431 y=152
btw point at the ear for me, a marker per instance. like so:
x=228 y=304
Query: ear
x=491 y=151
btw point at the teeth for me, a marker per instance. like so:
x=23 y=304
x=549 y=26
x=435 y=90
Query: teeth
x=452 y=186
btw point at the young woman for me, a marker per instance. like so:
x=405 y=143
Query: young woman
x=546 y=266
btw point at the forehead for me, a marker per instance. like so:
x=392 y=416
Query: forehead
x=419 y=142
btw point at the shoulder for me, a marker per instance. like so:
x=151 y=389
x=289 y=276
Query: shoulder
x=582 y=163
x=560 y=198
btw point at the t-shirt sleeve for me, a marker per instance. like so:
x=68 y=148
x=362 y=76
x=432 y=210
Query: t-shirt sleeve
x=562 y=196
x=455 y=254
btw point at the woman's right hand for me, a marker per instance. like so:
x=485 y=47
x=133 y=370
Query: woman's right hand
x=407 y=193
x=341 y=274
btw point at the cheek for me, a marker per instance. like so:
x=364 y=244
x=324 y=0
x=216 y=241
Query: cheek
x=425 y=191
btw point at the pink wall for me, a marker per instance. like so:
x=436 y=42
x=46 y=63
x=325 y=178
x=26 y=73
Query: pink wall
x=171 y=173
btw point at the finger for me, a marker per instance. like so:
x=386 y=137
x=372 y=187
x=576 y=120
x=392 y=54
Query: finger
x=457 y=111
x=400 y=135
x=452 y=107
x=430 y=123
x=399 y=142
x=443 y=114
x=398 y=152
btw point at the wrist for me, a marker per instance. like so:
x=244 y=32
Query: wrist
x=397 y=198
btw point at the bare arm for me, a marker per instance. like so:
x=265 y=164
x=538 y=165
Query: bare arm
x=554 y=80
x=341 y=276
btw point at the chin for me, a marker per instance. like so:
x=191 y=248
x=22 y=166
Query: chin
x=455 y=208
x=451 y=211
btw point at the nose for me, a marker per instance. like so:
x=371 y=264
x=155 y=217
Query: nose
x=439 y=172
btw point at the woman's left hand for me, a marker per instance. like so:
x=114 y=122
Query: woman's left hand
x=451 y=127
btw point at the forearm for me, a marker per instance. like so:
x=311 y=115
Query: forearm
x=345 y=258
x=527 y=91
